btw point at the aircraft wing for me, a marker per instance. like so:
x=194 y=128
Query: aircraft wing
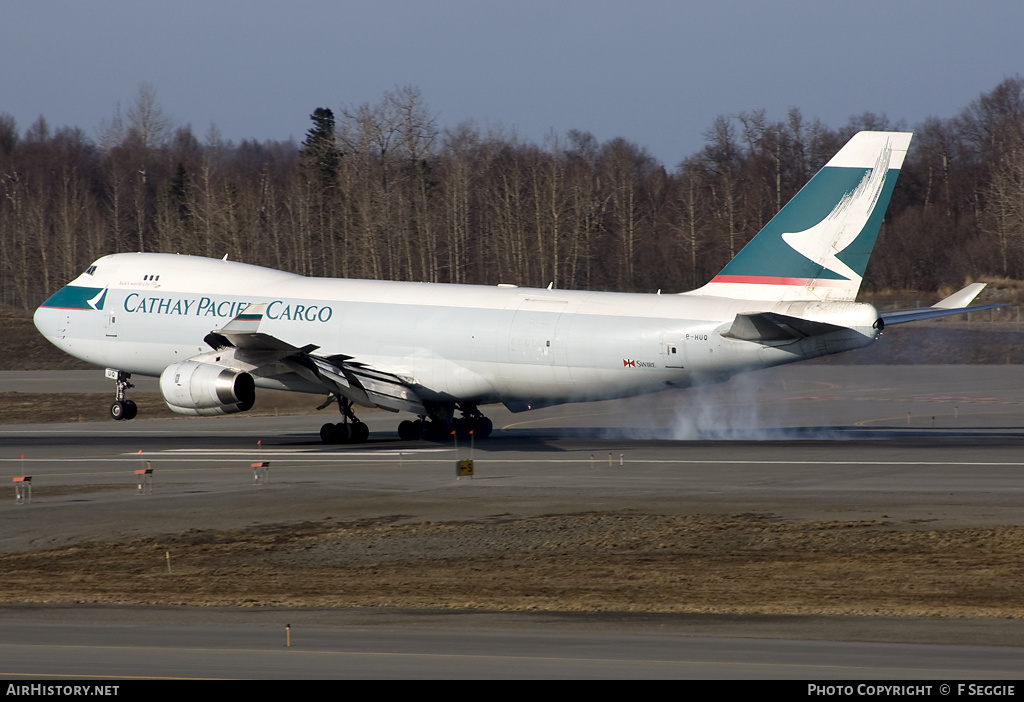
x=338 y=373
x=957 y=303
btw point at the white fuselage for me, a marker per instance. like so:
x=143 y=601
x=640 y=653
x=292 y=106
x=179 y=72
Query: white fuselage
x=522 y=346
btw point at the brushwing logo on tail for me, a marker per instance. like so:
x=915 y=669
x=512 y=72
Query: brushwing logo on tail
x=817 y=247
x=823 y=242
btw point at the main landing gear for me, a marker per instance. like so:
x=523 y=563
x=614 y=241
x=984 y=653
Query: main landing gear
x=442 y=422
x=436 y=425
x=123 y=408
x=349 y=431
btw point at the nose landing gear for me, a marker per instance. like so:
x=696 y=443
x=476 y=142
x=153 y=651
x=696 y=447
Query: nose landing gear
x=122 y=408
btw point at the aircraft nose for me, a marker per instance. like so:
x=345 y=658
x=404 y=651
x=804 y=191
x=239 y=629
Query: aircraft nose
x=45 y=321
x=51 y=317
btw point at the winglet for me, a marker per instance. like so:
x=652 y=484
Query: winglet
x=248 y=320
x=243 y=332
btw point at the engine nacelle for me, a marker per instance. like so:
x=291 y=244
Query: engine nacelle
x=206 y=389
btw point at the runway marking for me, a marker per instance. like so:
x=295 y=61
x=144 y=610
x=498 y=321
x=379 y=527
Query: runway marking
x=838 y=463
x=543 y=661
x=109 y=676
x=285 y=452
x=685 y=661
x=597 y=461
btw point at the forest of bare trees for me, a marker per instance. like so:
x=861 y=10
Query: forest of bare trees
x=380 y=191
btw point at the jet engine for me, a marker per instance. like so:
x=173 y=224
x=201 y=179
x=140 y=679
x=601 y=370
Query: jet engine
x=206 y=389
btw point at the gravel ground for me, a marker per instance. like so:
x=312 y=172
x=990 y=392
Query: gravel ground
x=609 y=561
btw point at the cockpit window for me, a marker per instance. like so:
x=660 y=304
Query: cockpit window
x=90 y=270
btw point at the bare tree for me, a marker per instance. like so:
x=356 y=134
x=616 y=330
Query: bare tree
x=1004 y=197
x=147 y=122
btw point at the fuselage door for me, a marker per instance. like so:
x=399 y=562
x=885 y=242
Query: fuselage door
x=672 y=350
x=532 y=337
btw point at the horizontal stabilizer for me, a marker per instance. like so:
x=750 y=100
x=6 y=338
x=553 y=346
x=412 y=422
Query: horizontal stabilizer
x=954 y=304
x=771 y=326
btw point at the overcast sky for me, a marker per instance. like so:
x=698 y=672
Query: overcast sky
x=654 y=72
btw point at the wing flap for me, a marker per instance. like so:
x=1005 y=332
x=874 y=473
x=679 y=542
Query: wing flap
x=771 y=326
x=362 y=384
x=385 y=390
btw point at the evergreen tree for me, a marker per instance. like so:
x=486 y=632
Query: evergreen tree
x=319 y=149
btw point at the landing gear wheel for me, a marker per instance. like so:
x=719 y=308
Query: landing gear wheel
x=334 y=433
x=341 y=434
x=350 y=431
x=435 y=431
x=123 y=408
x=408 y=430
x=358 y=433
x=482 y=427
x=473 y=421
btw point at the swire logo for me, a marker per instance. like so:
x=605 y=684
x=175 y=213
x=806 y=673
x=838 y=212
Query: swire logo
x=632 y=363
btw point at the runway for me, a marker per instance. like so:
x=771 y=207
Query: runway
x=938 y=444
x=85 y=643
